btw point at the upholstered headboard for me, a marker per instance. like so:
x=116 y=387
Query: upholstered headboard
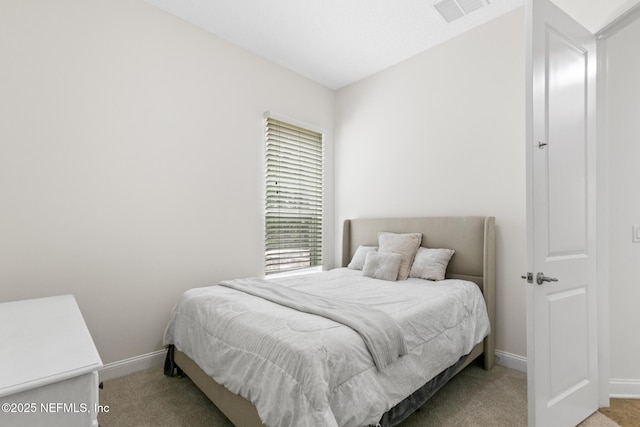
x=472 y=237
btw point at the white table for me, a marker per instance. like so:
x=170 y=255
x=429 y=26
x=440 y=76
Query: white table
x=48 y=364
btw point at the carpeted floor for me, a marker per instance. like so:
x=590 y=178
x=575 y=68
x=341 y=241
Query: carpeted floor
x=625 y=412
x=474 y=397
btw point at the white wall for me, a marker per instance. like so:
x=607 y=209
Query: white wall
x=131 y=160
x=443 y=134
x=624 y=210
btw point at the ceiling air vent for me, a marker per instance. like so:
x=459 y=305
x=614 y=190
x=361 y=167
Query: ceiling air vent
x=451 y=10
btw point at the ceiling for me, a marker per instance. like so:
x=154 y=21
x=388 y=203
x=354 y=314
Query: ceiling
x=594 y=15
x=338 y=42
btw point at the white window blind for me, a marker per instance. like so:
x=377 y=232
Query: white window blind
x=293 y=197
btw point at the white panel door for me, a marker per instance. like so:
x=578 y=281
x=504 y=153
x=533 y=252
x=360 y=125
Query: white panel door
x=561 y=308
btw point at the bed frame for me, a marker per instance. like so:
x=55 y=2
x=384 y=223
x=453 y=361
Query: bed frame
x=473 y=239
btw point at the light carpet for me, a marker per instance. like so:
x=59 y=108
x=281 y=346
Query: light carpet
x=474 y=397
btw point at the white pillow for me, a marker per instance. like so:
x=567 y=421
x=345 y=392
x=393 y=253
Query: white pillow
x=431 y=264
x=382 y=266
x=357 y=262
x=404 y=244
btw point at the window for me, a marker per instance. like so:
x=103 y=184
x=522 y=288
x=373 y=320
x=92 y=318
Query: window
x=293 y=218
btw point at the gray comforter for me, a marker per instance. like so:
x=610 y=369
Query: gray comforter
x=301 y=369
x=380 y=333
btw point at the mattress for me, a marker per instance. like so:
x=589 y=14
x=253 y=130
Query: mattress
x=301 y=369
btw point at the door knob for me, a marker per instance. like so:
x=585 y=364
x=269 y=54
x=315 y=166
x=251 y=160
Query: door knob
x=541 y=278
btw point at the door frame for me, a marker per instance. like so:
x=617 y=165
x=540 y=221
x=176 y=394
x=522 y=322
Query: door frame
x=602 y=199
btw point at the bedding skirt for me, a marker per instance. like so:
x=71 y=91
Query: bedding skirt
x=393 y=416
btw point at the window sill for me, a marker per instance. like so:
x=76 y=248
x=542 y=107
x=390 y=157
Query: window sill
x=300 y=272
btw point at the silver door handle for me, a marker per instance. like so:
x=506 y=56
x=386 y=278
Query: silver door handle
x=541 y=278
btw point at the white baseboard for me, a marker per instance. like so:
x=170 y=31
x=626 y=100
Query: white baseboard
x=618 y=388
x=512 y=361
x=132 y=364
x=625 y=389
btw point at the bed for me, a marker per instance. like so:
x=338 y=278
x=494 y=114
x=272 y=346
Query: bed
x=353 y=385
